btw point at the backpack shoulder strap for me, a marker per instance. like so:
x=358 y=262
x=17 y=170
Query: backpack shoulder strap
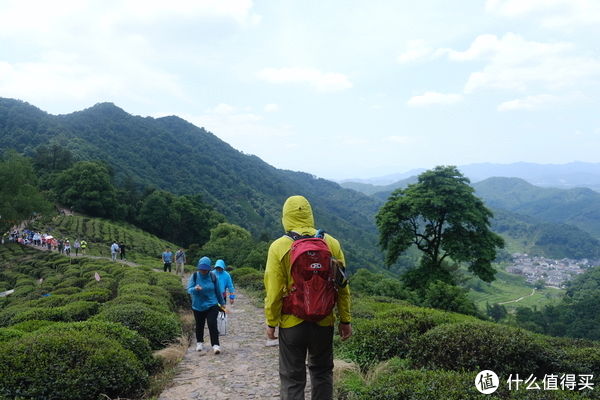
x=296 y=236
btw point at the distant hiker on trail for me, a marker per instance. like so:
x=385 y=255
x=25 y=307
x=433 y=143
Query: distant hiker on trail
x=60 y=246
x=83 y=246
x=114 y=250
x=206 y=303
x=179 y=261
x=167 y=258
x=76 y=246
x=122 y=250
x=225 y=282
x=312 y=332
x=67 y=248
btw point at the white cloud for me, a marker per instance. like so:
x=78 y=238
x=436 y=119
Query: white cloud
x=553 y=13
x=54 y=80
x=324 y=82
x=529 y=103
x=416 y=50
x=518 y=64
x=222 y=109
x=272 y=107
x=430 y=98
x=37 y=19
x=399 y=139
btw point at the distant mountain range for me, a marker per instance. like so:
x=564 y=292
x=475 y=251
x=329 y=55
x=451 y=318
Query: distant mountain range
x=564 y=176
x=172 y=154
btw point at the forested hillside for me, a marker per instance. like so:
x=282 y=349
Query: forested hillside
x=174 y=155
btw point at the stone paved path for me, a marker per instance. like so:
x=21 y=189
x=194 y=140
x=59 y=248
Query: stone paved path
x=245 y=369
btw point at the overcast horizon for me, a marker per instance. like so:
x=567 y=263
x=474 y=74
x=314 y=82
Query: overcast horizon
x=342 y=89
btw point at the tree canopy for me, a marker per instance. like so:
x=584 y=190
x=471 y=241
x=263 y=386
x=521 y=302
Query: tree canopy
x=19 y=195
x=442 y=217
x=86 y=187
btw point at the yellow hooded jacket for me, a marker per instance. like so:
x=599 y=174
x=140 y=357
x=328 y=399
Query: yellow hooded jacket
x=297 y=216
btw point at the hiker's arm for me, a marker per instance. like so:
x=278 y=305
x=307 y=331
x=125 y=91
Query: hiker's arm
x=191 y=287
x=343 y=303
x=274 y=284
x=231 y=290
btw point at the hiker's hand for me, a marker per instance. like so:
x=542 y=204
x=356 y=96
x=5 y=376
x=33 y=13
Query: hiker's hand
x=198 y=287
x=271 y=333
x=345 y=331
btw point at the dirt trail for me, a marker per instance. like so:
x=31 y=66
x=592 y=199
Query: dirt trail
x=245 y=369
x=520 y=298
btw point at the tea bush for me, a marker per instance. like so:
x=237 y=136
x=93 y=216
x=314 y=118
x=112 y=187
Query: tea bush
x=248 y=278
x=480 y=346
x=129 y=339
x=159 y=328
x=69 y=366
x=32 y=325
x=76 y=311
x=391 y=333
x=156 y=303
x=7 y=334
x=407 y=384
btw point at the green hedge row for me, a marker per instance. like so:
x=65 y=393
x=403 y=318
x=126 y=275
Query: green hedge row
x=65 y=335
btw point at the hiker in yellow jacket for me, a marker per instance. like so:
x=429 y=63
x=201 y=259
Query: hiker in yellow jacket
x=296 y=336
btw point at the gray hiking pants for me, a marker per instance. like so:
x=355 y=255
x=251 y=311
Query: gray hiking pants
x=294 y=344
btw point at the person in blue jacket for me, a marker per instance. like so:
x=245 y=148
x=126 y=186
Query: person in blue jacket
x=207 y=301
x=225 y=282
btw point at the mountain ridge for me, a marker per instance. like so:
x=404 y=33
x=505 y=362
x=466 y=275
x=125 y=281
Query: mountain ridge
x=172 y=154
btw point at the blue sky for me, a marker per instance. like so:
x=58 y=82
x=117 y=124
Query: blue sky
x=340 y=89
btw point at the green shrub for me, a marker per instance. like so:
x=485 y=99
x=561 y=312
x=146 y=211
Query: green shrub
x=406 y=384
x=251 y=280
x=76 y=311
x=159 y=328
x=32 y=325
x=238 y=272
x=7 y=334
x=134 y=276
x=105 y=283
x=172 y=284
x=391 y=332
x=67 y=290
x=100 y=295
x=480 y=346
x=367 y=307
x=585 y=360
x=377 y=340
x=148 y=290
x=72 y=281
x=7 y=314
x=156 y=303
x=23 y=291
x=69 y=366
x=129 y=339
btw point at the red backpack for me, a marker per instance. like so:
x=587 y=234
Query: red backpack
x=314 y=293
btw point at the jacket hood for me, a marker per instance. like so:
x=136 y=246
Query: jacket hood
x=297 y=215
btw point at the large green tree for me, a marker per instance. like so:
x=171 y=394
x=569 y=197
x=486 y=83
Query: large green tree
x=86 y=187
x=442 y=217
x=20 y=198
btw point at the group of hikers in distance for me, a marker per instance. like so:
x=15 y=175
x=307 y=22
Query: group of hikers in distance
x=306 y=289
x=46 y=241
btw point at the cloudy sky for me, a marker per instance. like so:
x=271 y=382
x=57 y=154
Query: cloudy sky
x=337 y=88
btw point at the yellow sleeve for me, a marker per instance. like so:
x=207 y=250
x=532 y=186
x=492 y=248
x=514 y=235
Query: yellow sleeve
x=344 y=301
x=274 y=286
